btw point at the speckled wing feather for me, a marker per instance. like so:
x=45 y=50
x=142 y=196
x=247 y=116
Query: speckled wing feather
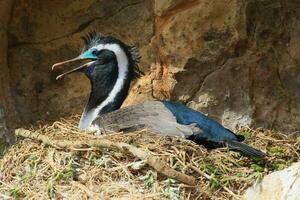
x=150 y=114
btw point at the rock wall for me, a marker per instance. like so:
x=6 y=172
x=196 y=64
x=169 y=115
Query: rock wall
x=235 y=60
x=5 y=95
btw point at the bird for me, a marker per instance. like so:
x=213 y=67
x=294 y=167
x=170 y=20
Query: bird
x=111 y=65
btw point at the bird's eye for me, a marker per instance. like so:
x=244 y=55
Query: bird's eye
x=94 y=52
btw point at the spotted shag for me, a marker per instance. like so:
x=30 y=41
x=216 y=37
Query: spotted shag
x=111 y=66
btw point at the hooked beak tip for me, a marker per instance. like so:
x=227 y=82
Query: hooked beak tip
x=53 y=66
x=59 y=77
x=73 y=70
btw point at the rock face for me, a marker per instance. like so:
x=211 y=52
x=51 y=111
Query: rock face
x=4 y=140
x=39 y=38
x=235 y=60
x=6 y=100
x=281 y=185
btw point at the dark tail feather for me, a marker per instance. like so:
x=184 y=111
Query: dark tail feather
x=250 y=151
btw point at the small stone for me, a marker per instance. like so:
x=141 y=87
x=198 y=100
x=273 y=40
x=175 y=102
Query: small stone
x=280 y=185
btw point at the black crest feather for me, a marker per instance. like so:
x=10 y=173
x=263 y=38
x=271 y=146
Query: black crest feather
x=135 y=56
x=91 y=39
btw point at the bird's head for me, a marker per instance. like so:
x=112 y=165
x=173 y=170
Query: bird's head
x=103 y=53
x=110 y=66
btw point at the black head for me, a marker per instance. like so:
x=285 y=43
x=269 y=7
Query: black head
x=99 y=50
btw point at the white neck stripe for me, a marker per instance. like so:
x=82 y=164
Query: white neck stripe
x=122 y=60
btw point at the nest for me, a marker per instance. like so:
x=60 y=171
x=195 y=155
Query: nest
x=58 y=161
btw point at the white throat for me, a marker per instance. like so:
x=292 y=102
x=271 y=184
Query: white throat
x=88 y=117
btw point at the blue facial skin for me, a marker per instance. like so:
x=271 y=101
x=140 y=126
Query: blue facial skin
x=212 y=131
x=89 y=54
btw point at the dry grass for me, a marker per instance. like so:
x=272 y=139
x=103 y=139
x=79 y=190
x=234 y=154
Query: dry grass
x=32 y=170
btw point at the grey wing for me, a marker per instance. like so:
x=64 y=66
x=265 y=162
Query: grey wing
x=150 y=114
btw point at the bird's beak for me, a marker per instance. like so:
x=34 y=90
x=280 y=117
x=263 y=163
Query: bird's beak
x=74 y=70
x=85 y=56
x=67 y=62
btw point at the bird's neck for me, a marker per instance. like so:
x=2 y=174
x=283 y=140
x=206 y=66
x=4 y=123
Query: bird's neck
x=108 y=92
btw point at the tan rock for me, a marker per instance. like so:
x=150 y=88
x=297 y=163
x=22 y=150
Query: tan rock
x=235 y=60
x=162 y=6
